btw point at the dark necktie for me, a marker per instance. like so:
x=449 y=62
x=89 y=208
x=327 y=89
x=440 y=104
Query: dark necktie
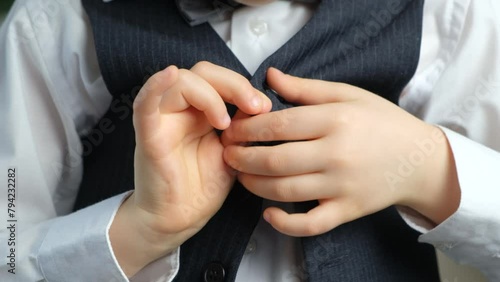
x=196 y=12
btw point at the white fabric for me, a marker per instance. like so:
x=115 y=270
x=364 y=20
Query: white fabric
x=261 y=30
x=259 y=33
x=459 y=90
x=51 y=92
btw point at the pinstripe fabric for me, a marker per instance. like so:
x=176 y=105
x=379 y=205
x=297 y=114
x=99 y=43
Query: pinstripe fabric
x=197 y=12
x=367 y=43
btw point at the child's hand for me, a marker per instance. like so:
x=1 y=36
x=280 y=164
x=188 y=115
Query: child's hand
x=181 y=179
x=351 y=152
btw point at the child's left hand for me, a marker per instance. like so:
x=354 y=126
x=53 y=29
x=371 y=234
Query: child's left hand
x=354 y=152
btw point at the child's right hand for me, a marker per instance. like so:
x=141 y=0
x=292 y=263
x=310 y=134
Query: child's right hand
x=181 y=179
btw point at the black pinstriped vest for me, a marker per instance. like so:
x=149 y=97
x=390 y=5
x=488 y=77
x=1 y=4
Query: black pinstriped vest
x=373 y=44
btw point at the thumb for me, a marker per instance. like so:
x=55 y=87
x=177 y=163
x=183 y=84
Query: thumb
x=309 y=91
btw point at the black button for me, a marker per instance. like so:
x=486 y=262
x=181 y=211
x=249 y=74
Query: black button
x=214 y=272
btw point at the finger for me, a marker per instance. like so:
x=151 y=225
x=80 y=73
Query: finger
x=224 y=139
x=192 y=90
x=297 y=188
x=234 y=88
x=299 y=123
x=319 y=220
x=146 y=112
x=280 y=160
x=218 y=182
x=310 y=91
x=150 y=95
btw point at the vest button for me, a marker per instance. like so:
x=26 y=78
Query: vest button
x=214 y=272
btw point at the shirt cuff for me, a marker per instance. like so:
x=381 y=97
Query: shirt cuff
x=161 y=270
x=471 y=235
x=77 y=246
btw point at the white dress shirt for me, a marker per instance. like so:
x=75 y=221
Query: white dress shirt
x=52 y=92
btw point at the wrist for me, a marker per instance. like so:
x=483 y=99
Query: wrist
x=436 y=191
x=134 y=243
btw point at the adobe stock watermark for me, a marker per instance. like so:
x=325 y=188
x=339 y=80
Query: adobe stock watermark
x=371 y=29
x=213 y=190
x=122 y=107
x=484 y=89
x=223 y=9
x=39 y=19
x=425 y=148
x=321 y=254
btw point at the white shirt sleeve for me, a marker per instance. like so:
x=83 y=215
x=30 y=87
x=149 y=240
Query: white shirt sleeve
x=51 y=92
x=457 y=86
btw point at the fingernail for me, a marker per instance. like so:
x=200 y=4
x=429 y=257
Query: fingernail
x=226 y=120
x=256 y=101
x=267 y=217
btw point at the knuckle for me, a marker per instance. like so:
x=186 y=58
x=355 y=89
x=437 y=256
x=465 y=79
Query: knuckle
x=302 y=85
x=242 y=84
x=264 y=134
x=346 y=186
x=314 y=227
x=340 y=117
x=336 y=159
x=343 y=119
x=281 y=224
x=284 y=190
x=202 y=67
x=274 y=163
x=238 y=128
x=156 y=81
x=280 y=121
x=183 y=77
x=249 y=154
x=240 y=89
x=243 y=90
x=138 y=100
